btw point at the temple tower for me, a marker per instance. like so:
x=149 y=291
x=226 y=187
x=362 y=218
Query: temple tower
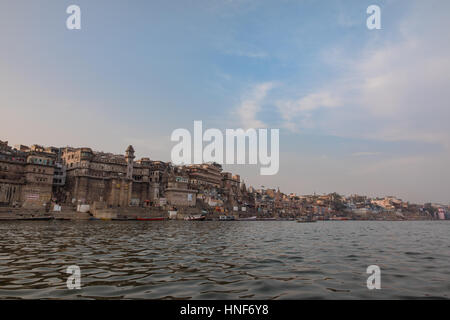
x=129 y=157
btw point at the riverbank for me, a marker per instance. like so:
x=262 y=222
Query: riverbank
x=133 y=213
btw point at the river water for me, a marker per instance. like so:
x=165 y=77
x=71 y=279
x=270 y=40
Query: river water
x=224 y=260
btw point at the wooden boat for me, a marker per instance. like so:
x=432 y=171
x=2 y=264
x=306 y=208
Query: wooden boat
x=226 y=218
x=197 y=217
x=305 y=220
x=339 y=219
x=248 y=219
x=124 y=219
x=47 y=218
x=151 y=219
x=308 y=219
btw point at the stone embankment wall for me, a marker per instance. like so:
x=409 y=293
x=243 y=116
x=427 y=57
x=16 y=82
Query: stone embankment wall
x=100 y=210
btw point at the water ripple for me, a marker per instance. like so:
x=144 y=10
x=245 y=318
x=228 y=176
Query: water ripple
x=224 y=260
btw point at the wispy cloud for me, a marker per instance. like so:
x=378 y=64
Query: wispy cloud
x=396 y=91
x=300 y=110
x=250 y=105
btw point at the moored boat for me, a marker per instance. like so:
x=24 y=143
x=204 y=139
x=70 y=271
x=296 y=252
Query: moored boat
x=306 y=220
x=226 y=218
x=339 y=219
x=197 y=217
x=151 y=219
x=46 y=218
x=248 y=219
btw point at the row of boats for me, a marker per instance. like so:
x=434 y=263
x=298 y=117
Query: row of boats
x=130 y=219
x=43 y=218
x=173 y=215
x=197 y=217
x=200 y=217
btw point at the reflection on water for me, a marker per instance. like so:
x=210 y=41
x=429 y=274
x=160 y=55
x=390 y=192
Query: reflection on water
x=224 y=260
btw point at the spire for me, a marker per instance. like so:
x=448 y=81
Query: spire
x=129 y=153
x=129 y=156
x=130 y=149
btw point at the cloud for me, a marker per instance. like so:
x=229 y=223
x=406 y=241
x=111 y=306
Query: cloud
x=251 y=104
x=397 y=90
x=303 y=107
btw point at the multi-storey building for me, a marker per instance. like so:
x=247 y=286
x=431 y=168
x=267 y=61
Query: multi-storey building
x=37 y=176
x=117 y=180
x=230 y=182
x=231 y=188
x=26 y=177
x=178 y=192
x=205 y=175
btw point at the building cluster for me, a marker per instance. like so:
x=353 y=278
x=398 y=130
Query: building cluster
x=26 y=175
x=37 y=177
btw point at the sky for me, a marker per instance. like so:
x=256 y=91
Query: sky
x=359 y=111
